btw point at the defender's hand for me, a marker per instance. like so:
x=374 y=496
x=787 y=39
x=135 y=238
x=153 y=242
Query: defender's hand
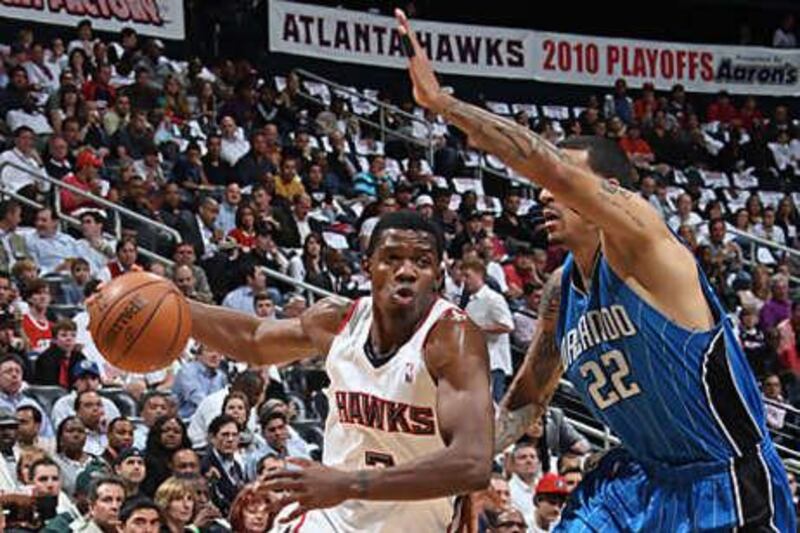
x=427 y=91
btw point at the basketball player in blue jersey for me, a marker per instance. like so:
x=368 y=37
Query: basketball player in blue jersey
x=634 y=324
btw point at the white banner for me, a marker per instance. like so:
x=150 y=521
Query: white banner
x=484 y=51
x=156 y=18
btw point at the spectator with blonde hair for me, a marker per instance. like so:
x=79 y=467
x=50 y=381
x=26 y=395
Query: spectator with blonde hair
x=176 y=499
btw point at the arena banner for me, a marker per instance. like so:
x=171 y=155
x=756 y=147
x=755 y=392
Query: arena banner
x=156 y=18
x=485 y=51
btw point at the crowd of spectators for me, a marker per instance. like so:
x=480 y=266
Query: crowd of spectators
x=254 y=176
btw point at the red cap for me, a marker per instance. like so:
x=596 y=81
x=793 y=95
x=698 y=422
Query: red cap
x=87 y=158
x=552 y=483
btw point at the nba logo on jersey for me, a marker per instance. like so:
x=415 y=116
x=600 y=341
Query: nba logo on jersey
x=408 y=376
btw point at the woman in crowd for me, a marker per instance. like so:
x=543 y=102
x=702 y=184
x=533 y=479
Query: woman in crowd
x=754 y=208
x=27 y=457
x=176 y=498
x=250 y=511
x=167 y=435
x=237 y=406
x=245 y=231
x=79 y=66
x=175 y=102
x=786 y=219
x=70 y=440
x=309 y=263
x=70 y=104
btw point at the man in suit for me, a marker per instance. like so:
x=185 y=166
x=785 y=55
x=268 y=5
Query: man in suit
x=200 y=230
x=295 y=224
x=220 y=466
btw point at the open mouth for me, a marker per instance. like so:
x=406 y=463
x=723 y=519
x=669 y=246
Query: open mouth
x=551 y=217
x=403 y=295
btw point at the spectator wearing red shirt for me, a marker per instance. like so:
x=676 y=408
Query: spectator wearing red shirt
x=645 y=107
x=54 y=366
x=520 y=272
x=99 y=88
x=245 y=231
x=636 y=147
x=750 y=114
x=35 y=324
x=85 y=179
x=722 y=110
x=125 y=262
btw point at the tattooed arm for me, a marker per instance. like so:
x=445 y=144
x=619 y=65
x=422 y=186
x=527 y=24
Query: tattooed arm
x=621 y=215
x=537 y=380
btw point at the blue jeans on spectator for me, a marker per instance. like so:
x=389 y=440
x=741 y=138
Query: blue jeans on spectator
x=498 y=385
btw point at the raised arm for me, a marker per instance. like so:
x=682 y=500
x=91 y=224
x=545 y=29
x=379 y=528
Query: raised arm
x=617 y=212
x=538 y=378
x=265 y=342
x=456 y=357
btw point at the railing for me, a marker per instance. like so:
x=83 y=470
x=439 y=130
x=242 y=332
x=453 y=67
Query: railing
x=600 y=432
x=757 y=242
x=98 y=200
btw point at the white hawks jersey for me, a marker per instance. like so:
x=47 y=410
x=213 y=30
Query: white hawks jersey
x=378 y=417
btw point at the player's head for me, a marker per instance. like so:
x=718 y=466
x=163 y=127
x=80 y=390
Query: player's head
x=403 y=261
x=604 y=158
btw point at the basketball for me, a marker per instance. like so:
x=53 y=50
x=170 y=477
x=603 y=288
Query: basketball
x=140 y=322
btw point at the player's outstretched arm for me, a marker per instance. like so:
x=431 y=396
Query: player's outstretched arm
x=264 y=342
x=457 y=359
x=617 y=212
x=537 y=380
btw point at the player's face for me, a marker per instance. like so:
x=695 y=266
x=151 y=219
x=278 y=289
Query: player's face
x=564 y=225
x=404 y=271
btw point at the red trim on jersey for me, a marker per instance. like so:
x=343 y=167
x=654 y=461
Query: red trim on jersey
x=347 y=317
x=300 y=523
x=447 y=313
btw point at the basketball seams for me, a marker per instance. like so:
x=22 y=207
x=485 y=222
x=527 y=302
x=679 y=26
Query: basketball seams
x=120 y=299
x=144 y=325
x=177 y=335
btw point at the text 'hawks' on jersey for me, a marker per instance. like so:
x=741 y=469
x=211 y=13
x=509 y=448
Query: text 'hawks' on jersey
x=385 y=415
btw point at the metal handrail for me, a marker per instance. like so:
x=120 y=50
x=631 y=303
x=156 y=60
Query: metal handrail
x=95 y=199
x=764 y=242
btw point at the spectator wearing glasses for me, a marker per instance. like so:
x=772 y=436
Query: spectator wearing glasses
x=220 y=465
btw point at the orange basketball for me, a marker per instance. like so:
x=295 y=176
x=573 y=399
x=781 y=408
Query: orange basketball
x=140 y=322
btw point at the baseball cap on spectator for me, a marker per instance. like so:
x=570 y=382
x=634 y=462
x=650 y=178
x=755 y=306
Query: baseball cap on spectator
x=94 y=470
x=424 y=200
x=127 y=453
x=88 y=158
x=7 y=418
x=98 y=214
x=85 y=368
x=552 y=483
x=269 y=407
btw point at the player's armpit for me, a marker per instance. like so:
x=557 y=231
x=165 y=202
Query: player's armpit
x=456 y=356
x=537 y=380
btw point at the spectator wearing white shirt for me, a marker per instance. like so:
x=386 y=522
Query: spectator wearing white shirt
x=551 y=495
x=773 y=390
x=85 y=40
x=97 y=250
x=525 y=470
x=153 y=405
x=89 y=410
x=784 y=37
x=489 y=310
x=12 y=243
x=241 y=298
x=23 y=155
x=85 y=377
x=768 y=230
x=234 y=144
x=39 y=72
x=49 y=247
x=526 y=319
x=685 y=216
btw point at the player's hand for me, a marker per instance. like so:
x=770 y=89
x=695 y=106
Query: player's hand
x=311 y=486
x=427 y=92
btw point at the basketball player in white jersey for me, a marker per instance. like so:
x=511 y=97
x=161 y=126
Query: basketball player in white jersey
x=410 y=423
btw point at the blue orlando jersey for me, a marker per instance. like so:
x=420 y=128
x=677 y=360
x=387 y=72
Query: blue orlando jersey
x=674 y=396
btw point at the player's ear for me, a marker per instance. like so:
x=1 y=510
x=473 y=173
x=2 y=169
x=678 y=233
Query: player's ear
x=615 y=181
x=365 y=264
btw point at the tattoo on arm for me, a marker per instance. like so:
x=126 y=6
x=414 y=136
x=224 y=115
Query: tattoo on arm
x=510 y=141
x=362 y=484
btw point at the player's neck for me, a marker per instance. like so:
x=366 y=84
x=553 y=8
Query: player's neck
x=585 y=256
x=390 y=331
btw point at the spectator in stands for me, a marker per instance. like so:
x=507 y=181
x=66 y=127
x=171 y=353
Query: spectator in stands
x=250 y=383
x=308 y=263
x=184 y=463
x=130 y=468
x=106 y=495
x=94 y=248
x=228 y=208
x=217 y=170
x=233 y=144
x=572 y=476
x=367 y=183
x=619 y=104
x=201 y=229
x=768 y=230
x=471 y=233
x=8 y=438
x=256 y=164
x=125 y=261
x=197 y=379
x=99 y=86
x=13 y=243
x=276 y=441
x=72 y=290
x=241 y=298
x=250 y=511
x=185 y=256
x=789 y=331
x=70 y=455
x=636 y=147
x=722 y=109
x=89 y=409
x=785 y=36
x=35 y=323
x=55 y=365
x=120 y=438
x=520 y=272
x=59 y=161
x=753 y=341
x=24 y=155
x=176 y=498
x=778 y=307
x=117 y=116
x=244 y=234
x=510 y=226
x=221 y=463
x=131 y=138
x=140 y=515
x=524 y=470
x=167 y=435
x=184 y=279
x=489 y=310
x=29 y=420
x=773 y=390
x=296 y=224
x=685 y=215
x=265 y=307
x=153 y=405
x=288 y=183
x=551 y=495
x=49 y=247
x=85 y=376
x=11 y=397
x=39 y=72
x=749 y=114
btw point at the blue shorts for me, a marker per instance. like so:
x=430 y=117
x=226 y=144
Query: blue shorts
x=622 y=495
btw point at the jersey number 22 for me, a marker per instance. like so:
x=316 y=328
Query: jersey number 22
x=615 y=368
